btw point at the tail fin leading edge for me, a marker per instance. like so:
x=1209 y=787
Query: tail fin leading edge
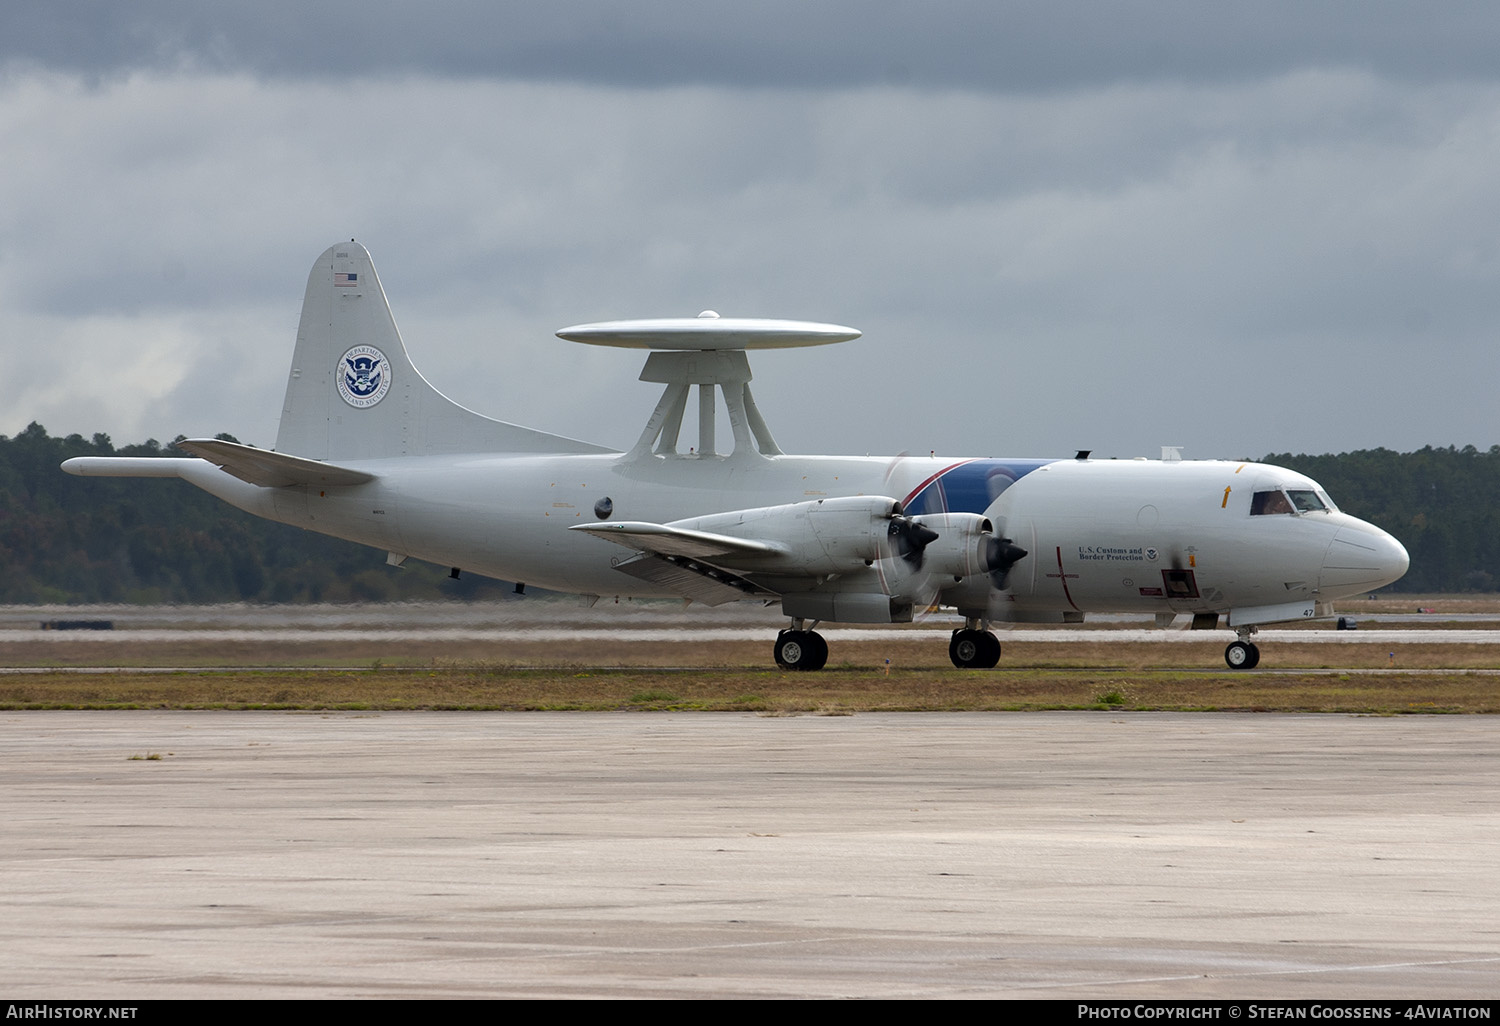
x=353 y=392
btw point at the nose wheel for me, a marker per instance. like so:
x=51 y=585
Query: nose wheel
x=1242 y=655
x=801 y=650
x=974 y=649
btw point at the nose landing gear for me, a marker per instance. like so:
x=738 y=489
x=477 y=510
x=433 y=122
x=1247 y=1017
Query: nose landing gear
x=1242 y=654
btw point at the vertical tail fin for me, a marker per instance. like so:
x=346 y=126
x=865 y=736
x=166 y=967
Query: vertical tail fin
x=353 y=392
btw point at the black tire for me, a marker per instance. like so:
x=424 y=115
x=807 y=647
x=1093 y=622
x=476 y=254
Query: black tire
x=800 y=650
x=819 y=656
x=990 y=650
x=974 y=650
x=1241 y=655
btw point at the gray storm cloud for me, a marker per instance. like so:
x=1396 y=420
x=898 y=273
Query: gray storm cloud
x=1097 y=226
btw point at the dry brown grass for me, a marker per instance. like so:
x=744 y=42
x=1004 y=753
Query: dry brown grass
x=767 y=691
x=628 y=675
x=905 y=669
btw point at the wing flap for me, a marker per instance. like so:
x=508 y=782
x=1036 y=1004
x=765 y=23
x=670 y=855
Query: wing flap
x=710 y=585
x=271 y=469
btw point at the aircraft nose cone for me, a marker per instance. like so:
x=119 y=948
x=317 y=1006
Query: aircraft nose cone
x=1362 y=557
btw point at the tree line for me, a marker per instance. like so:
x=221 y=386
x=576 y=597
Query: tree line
x=65 y=539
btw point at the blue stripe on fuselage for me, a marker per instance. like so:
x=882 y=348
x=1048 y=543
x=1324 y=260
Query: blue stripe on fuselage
x=968 y=487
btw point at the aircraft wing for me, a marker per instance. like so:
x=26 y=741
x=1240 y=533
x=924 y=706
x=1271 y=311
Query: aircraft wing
x=684 y=560
x=665 y=540
x=270 y=469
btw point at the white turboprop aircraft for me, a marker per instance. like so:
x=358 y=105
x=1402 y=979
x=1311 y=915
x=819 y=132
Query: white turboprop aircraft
x=367 y=450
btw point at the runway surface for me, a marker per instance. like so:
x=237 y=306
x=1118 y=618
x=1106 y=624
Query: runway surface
x=1080 y=855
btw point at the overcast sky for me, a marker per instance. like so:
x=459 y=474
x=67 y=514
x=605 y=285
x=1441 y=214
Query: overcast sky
x=1111 y=225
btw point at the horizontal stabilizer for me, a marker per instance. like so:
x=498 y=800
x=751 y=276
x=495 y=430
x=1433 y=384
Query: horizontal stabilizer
x=270 y=469
x=676 y=541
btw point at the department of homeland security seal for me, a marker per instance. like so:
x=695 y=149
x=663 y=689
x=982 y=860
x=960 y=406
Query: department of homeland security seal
x=364 y=377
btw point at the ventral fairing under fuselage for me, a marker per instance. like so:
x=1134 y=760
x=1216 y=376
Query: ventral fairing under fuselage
x=367 y=450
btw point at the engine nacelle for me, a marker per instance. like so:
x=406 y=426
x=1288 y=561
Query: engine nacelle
x=961 y=548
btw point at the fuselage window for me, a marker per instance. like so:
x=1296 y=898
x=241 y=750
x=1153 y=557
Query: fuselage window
x=1266 y=503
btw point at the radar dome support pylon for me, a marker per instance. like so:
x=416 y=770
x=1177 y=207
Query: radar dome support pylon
x=707 y=351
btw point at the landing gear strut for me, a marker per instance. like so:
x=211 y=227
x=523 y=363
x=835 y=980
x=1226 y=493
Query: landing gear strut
x=798 y=649
x=1242 y=654
x=973 y=649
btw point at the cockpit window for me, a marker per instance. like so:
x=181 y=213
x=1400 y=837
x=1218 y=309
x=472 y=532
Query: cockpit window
x=1292 y=500
x=1306 y=500
x=1268 y=502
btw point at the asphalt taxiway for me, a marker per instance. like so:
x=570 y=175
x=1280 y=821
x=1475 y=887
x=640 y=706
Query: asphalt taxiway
x=1078 y=855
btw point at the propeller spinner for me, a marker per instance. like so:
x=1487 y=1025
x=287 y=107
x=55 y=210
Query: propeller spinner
x=1001 y=554
x=909 y=539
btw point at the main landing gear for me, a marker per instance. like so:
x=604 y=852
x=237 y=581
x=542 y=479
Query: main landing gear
x=972 y=649
x=1242 y=654
x=798 y=649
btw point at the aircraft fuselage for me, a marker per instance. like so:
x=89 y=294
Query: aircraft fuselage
x=1101 y=535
